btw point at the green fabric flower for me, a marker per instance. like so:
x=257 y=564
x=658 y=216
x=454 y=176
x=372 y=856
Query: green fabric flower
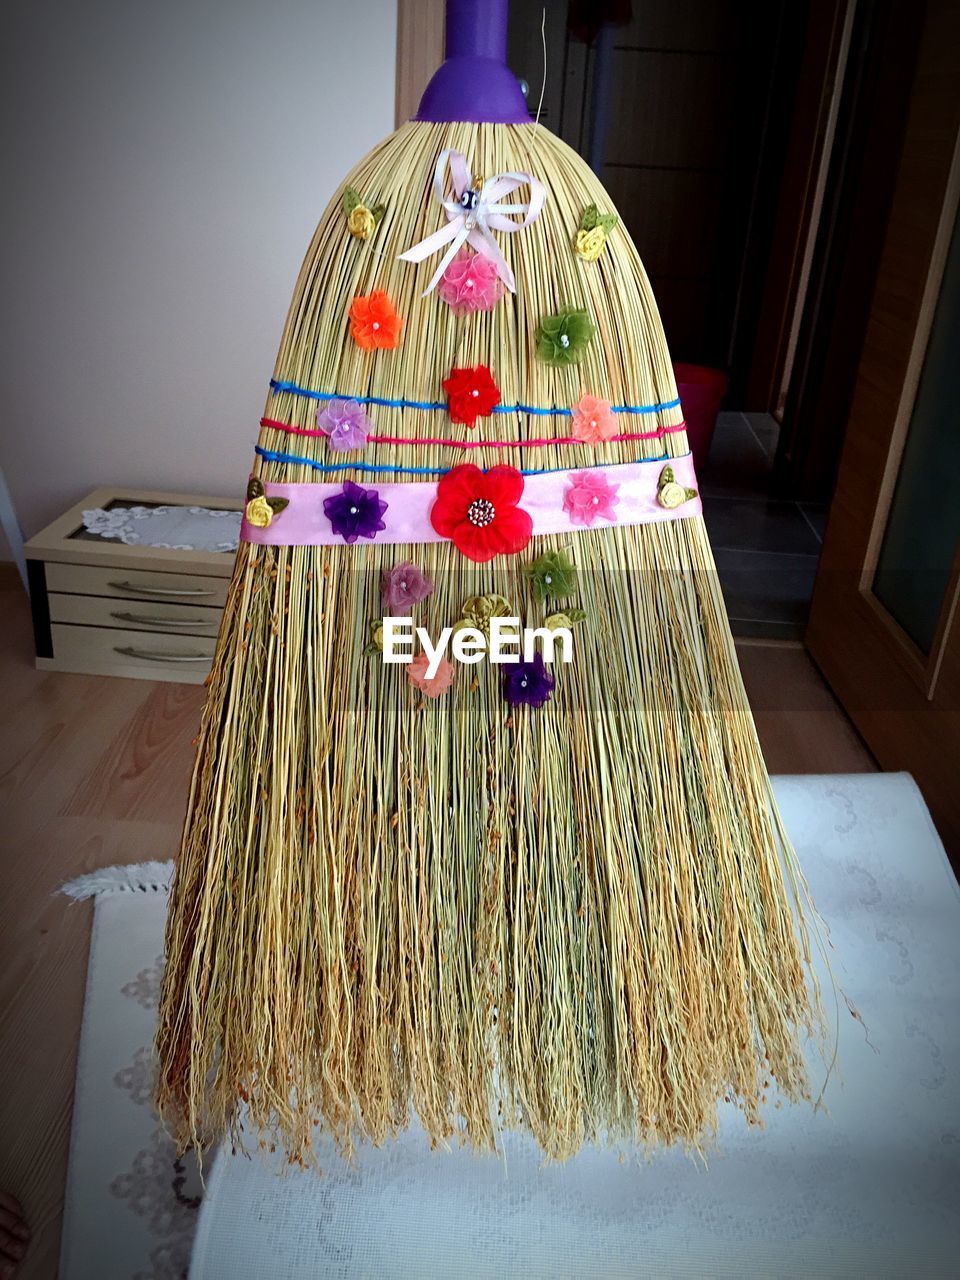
x=478 y=612
x=552 y=574
x=561 y=339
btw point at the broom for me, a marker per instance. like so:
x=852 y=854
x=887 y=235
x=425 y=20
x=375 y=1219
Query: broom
x=552 y=897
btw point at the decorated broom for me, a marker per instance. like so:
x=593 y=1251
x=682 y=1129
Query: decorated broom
x=555 y=897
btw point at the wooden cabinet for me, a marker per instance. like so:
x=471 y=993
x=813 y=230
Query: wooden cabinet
x=104 y=608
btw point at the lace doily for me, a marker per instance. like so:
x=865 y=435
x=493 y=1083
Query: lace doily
x=176 y=528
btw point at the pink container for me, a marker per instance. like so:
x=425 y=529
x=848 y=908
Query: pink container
x=700 y=391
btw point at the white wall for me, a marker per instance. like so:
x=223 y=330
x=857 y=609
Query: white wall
x=164 y=164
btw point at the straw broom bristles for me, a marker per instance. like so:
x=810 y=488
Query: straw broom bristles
x=572 y=919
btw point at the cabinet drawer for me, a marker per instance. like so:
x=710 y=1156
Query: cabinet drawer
x=135 y=584
x=135 y=615
x=100 y=651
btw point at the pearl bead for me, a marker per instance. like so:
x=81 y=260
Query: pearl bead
x=594 y=500
x=376 y=324
x=564 y=340
x=480 y=513
x=353 y=511
x=474 y=392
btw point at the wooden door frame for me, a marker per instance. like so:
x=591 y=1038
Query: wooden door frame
x=420 y=32
x=800 y=201
x=883 y=680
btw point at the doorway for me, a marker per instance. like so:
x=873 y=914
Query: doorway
x=751 y=151
x=683 y=111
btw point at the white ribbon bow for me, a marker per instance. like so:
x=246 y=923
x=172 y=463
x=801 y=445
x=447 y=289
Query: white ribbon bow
x=475 y=215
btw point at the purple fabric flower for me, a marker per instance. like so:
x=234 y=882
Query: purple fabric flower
x=344 y=424
x=527 y=684
x=355 y=512
x=403 y=586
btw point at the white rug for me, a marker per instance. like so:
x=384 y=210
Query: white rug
x=871 y=1188
x=131 y=1206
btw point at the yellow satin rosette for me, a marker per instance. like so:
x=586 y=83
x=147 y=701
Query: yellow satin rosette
x=361 y=223
x=670 y=494
x=592 y=233
x=361 y=220
x=589 y=244
x=260 y=509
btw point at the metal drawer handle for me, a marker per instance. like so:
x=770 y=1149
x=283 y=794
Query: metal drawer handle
x=143 y=619
x=128 y=651
x=158 y=591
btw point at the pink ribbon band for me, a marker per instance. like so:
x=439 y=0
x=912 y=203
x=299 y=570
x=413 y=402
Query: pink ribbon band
x=303 y=522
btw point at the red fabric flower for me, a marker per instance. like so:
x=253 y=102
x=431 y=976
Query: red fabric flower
x=478 y=511
x=471 y=394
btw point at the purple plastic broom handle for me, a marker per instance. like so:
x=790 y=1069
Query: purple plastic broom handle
x=476 y=28
x=474 y=83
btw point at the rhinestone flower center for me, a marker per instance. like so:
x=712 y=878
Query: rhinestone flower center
x=480 y=512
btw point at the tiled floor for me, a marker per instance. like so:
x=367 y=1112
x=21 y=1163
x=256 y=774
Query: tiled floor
x=766 y=548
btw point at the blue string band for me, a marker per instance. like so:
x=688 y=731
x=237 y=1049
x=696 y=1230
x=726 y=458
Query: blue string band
x=296 y=460
x=293 y=389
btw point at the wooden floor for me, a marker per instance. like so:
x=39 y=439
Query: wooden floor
x=93 y=771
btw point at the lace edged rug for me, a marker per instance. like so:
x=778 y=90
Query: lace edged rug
x=131 y=1205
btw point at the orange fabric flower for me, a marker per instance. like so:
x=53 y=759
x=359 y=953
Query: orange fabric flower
x=373 y=322
x=434 y=685
x=593 y=420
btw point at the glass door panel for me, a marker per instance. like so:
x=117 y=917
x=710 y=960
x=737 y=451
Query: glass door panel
x=923 y=524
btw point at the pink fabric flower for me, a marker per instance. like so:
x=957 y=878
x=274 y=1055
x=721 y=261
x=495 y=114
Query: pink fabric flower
x=470 y=283
x=403 y=586
x=593 y=420
x=590 y=496
x=434 y=685
x=344 y=424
